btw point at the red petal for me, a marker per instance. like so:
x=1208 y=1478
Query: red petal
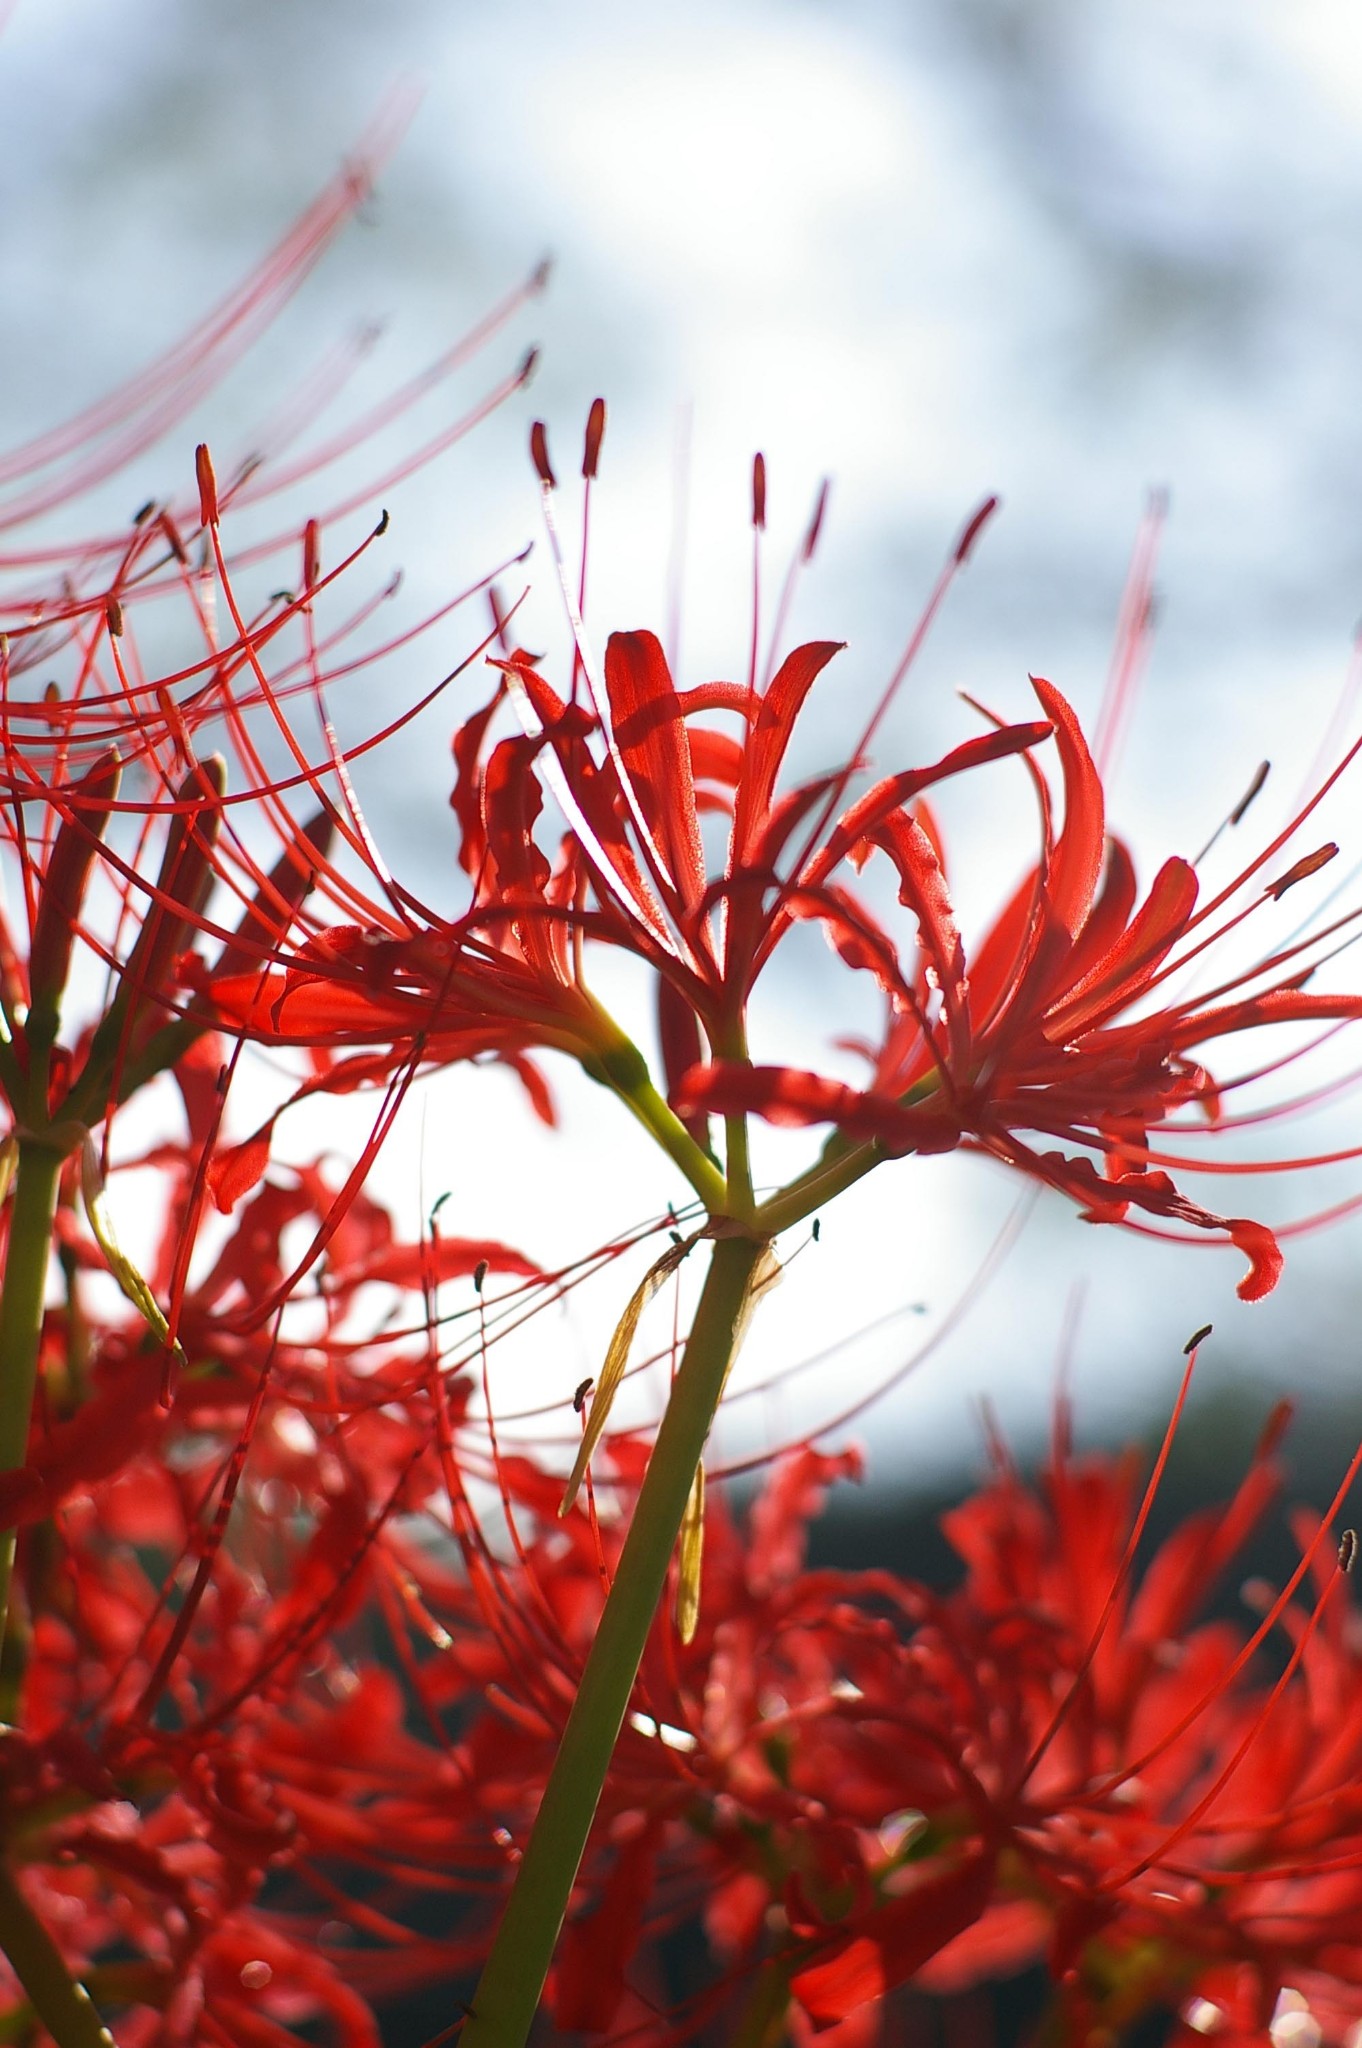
x=1275 y=1006
x=788 y=1095
x=535 y=1086
x=466 y=801
x=234 y=1173
x=594 y=1952
x=511 y=803
x=922 y=889
x=651 y=736
x=1118 y=978
x=448 y=1258
x=714 y=756
x=896 y=790
x=770 y=736
x=895 y=1940
x=789 y=1501
x=1111 y=914
x=997 y=967
x=1264 y=1255
x=1076 y=860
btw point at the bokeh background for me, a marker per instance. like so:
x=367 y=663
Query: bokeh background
x=933 y=250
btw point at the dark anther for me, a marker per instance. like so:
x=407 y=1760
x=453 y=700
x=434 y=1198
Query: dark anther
x=1260 y=777
x=539 y=454
x=974 y=529
x=1310 y=864
x=820 y=506
x=595 y=428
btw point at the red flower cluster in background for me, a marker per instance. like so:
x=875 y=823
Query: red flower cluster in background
x=852 y=1781
x=282 y=1689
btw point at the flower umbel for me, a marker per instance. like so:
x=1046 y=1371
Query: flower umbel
x=1058 y=1043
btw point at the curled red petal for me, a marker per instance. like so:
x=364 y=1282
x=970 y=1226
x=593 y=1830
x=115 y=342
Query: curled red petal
x=1263 y=1253
x=770 y=735
x=864 y=816
x=1076 y=860
x=234 y=1173
x=1146 y=942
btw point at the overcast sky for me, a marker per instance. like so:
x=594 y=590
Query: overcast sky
x=934 y=250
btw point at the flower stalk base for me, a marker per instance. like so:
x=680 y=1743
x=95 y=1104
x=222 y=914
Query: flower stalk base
x=21 y=1320
x=64 y=2007
x=508 y=1993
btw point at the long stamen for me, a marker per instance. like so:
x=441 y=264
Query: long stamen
x=600 y=697
x=591 y=453
x=676 y=559
x=758 y=528
x=917 y=639
x=1134 y=631
x=799 y=561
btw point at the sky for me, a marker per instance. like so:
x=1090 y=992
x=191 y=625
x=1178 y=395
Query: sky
x=933 y=251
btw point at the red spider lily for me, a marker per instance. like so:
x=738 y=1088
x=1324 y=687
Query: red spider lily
x=204 y=1756
x=1033 y=1033
x=183 y=1547
x=854 y=1782
x=1060 y=1024
x=508 y=972
x=125 y=851
x=850 y=1781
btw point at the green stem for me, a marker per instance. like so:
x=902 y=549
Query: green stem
x=507 y=1996
x=731 y=1045
x=763 y=2023
x=21 y=1319
x=815 y=1188
x=658 y=1118
x=64 y=2007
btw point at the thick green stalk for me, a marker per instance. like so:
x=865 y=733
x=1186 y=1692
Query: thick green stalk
x=507 y=1997
x=65 y=2008
x=21 y=1319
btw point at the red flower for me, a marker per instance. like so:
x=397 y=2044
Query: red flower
x=129 y=858
x=207 y=1766
x=854 y=1782
x=1058 y=1026
x=1053 y=1025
